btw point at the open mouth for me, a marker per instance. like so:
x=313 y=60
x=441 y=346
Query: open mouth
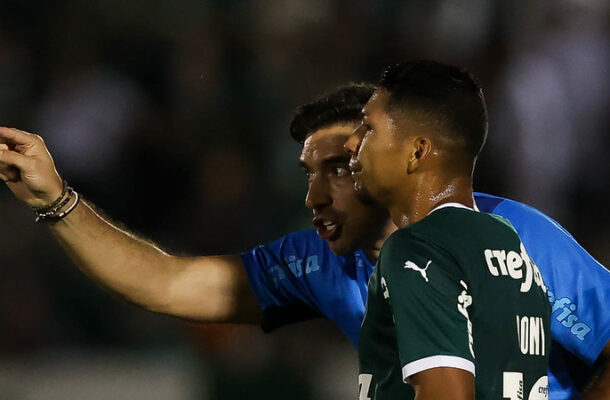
x=327 y=230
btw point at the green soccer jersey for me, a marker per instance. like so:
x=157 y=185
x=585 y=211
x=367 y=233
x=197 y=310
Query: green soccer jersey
x=456 y=289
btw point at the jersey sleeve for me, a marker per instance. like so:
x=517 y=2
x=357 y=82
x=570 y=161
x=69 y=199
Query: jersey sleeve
x=578 y=285
x=275 y=271
x=429 y=303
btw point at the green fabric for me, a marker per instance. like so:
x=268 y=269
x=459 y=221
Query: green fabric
x=454 y=268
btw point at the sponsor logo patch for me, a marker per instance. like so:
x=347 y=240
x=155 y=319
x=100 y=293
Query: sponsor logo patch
x=415 y=267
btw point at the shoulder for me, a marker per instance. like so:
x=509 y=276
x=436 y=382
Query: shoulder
x=521 y=216
x=293 y=247
x=399 y=240
x=419 y=239
x=397 y=246
x=300 y=242
x=453 y=225
x=544 y=237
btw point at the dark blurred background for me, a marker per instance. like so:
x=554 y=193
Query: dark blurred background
x=172 y=117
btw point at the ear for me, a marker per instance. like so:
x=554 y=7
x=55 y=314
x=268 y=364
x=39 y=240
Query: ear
x=420 y=148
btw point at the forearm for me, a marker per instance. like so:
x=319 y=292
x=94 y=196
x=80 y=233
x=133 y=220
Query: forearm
x=203 y=288
x=208 y=289
x=117 y=259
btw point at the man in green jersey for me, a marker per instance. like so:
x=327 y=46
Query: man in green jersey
x=456 y=308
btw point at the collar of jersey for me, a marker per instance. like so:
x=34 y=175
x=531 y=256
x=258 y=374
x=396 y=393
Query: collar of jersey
x=453 y=204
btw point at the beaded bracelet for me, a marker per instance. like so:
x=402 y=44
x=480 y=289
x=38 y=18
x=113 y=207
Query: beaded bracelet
x=61 y=215
x=48 y=207
x=68 y=210
x=41 y=216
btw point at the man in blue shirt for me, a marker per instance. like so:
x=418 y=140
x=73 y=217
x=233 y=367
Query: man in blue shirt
x=321 y=272
x=289 y=274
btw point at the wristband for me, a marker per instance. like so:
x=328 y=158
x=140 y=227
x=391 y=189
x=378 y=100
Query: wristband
x=48 y=207
x=54 y=214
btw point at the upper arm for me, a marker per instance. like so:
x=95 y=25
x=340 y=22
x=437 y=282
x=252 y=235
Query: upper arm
x=435 y=383
x=263 y=285
x=211 y=289
x=286 y=277
x=432 y=324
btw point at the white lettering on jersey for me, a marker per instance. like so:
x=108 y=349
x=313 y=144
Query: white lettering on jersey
x=513 y=388
x=530 y=334
x=540 y=390
x=415 y=267
x=364 y=381
x=518 y=266
x=564 y=310
x=384 y=286
x=512 y=385
x=464 y=301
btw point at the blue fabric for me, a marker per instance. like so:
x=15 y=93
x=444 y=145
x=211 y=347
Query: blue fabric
x=298 y=277
x=300 y=270
x=578 y=289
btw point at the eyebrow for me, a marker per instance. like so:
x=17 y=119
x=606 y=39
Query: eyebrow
x=337 y=159
x=329 y=161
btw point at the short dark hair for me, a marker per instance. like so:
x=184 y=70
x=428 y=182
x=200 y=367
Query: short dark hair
x=343 y=105
x=448 y=95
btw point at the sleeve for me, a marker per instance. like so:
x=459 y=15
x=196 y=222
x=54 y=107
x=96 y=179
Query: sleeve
x=429 y=303
x=275 y=272
x=578 y=286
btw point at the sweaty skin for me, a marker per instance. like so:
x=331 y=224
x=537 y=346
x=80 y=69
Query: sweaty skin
x=403 y=168
x=146 y=275
x=382 y=157
x=209 y=288
x=341 y=218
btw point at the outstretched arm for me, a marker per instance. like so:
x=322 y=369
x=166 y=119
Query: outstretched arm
x=213 y=289
x=599 y=387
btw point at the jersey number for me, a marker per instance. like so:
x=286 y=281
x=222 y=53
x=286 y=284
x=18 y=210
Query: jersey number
x=512 y=387
x=364 y=381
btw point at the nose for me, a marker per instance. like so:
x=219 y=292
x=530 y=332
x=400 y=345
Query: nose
x=318 y=193
x=352 y=144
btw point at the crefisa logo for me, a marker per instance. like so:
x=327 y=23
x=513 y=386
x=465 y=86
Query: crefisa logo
x=564 y=311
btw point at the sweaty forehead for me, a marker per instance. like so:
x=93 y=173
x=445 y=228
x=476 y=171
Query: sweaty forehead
x=326 y=143
x=376 y=103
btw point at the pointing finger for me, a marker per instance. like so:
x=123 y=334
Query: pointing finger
x=11 y=135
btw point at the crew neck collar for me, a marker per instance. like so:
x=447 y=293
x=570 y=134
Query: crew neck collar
x=452 y=204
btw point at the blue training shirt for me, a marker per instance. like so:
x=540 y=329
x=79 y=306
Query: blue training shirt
x=298 y=277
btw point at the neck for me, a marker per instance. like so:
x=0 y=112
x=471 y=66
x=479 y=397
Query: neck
x=372 y=251
x=414 y=204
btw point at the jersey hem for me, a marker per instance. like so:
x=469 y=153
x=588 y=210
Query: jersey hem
x=599 y=346
x=436 y=362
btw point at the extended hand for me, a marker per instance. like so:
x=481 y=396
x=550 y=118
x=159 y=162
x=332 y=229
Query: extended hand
x=27 y=168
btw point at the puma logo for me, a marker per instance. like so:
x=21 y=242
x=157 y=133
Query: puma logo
x=415 y=267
